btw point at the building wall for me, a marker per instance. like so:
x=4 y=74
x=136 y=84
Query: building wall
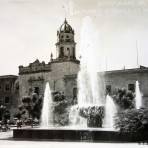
x=9 y=93
x=121 y=79
x=71 y=86
x=63 y=77
x=55 y=77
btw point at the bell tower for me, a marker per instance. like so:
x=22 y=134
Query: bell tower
x=65 y=46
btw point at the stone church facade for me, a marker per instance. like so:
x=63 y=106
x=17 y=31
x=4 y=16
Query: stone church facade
x=59 y=72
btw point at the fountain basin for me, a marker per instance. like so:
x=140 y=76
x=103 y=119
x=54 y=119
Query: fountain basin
x=87 y=135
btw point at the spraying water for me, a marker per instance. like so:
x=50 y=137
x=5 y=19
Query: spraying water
x=47 y=116
x=88 y=87
x=138 y=98
x=88 y=84
x=75 y=119
x=110 y=111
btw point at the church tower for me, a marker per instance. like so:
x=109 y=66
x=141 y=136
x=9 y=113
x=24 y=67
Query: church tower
x=65 y=46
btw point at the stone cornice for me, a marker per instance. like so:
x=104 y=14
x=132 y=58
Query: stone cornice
x=35 y=67
x=126 y=71
x=58 y=60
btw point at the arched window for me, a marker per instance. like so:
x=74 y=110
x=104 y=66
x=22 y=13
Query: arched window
x=37 y=90
x=73 y=52
x=61 y=54
x=68 y=52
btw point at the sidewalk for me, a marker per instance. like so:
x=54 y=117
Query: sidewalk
x=6 y=135
x=49 y=144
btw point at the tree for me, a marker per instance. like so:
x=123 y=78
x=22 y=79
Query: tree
x=31 y=105
x=4 y=113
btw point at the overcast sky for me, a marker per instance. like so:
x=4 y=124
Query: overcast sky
x=28 y=30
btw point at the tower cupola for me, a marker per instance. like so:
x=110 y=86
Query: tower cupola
x=65 y=45
x=66 y=28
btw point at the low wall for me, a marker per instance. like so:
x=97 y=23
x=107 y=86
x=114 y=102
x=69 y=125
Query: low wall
x=78 y=135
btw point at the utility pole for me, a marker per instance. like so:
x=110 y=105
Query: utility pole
x=137 y=54
x=106 y=64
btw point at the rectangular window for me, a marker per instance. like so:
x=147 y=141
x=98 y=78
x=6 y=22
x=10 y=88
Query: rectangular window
x=7 y=100
x=131 y=87
x=108 y=89
x=1 y=101
x=74 y=92
x=7 y=87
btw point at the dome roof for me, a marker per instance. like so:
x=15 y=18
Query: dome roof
x=65 y=27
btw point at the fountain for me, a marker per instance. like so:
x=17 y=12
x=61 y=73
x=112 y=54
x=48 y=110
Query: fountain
x=76 y=121
x=46 y=116
x=110 y=111
x=138 y=98
x=88 y=86
x=89 y=99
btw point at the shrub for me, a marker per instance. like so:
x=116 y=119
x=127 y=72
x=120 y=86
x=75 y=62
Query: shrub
x=134 y=120
x=20 y=112
x=58 y=96
x=94 y=115
x=124 y=99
